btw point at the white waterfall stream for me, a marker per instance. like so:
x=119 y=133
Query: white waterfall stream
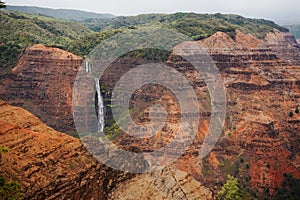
x=99 y=105
x=88 y=67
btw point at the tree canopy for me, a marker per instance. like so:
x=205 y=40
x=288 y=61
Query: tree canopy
x=231 y=190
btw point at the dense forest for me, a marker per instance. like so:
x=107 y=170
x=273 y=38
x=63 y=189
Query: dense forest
x=197 y=26
x=65 y=14
x=19 y=30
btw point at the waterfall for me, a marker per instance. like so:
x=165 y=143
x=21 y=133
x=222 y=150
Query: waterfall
x=88 y=67
x=99 y=106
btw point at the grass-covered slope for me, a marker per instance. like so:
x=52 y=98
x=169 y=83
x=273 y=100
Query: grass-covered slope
x=65 y=14
x=19 y=30
x=197 y=26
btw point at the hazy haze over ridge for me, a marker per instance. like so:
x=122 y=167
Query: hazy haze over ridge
x=281 y=11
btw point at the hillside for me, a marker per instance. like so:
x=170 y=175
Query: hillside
x=197 y=26
x=294 y=29
x=49 y=164
x=259 y=144
x=259 y=140
x=52 y=165
x=64 y=14
x=20 y=30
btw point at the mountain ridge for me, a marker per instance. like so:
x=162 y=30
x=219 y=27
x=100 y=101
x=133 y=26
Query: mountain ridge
x=64 y=14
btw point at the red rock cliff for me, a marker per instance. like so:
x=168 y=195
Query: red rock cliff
x=42 y=82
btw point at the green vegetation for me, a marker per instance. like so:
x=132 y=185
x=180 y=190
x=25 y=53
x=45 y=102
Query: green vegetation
x=131 y=22
x=291 y=114
x=290 y=188
x=231 y=190
x=19 y=30
x=3 y=150
x=247 y=166
x=294 y=29
x=8 y=190
x=112 y=131
x=64 y=14
x=197 y=26
x=297 y=110
x=247 y=178
x=84 y=45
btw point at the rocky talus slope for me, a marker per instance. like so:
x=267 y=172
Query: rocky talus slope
x=165 y=183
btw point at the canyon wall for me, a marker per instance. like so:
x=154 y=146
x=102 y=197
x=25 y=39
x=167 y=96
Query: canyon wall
x=52 y=165
x=260 y=140
x=42 y=82
x=262 y=84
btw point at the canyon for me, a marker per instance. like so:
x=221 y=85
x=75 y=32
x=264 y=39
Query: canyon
x=53 y=165
x=259 y=143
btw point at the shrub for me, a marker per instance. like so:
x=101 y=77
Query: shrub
x=9 y=190
x=291 y=114
x=290 y=188
x=247 y=165
x=231 y=190
x=247 y=178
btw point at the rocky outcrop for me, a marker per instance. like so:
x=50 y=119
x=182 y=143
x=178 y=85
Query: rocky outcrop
x=166 y=183
x=285 y=46
x=262 y=85
x=258 y=144
x=42 y=82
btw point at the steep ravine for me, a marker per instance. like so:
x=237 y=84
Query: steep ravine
x=260 y=139
x=52 y=165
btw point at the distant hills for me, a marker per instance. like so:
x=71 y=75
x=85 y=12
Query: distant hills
x=20 y=29
x=294 y=29
x=64 y=14
x=194 y=25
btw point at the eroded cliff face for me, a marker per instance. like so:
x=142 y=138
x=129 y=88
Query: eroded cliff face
x=52 y=165
x=49 y=164
x=260 y=141
x=262 y=85
x=42 y=82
